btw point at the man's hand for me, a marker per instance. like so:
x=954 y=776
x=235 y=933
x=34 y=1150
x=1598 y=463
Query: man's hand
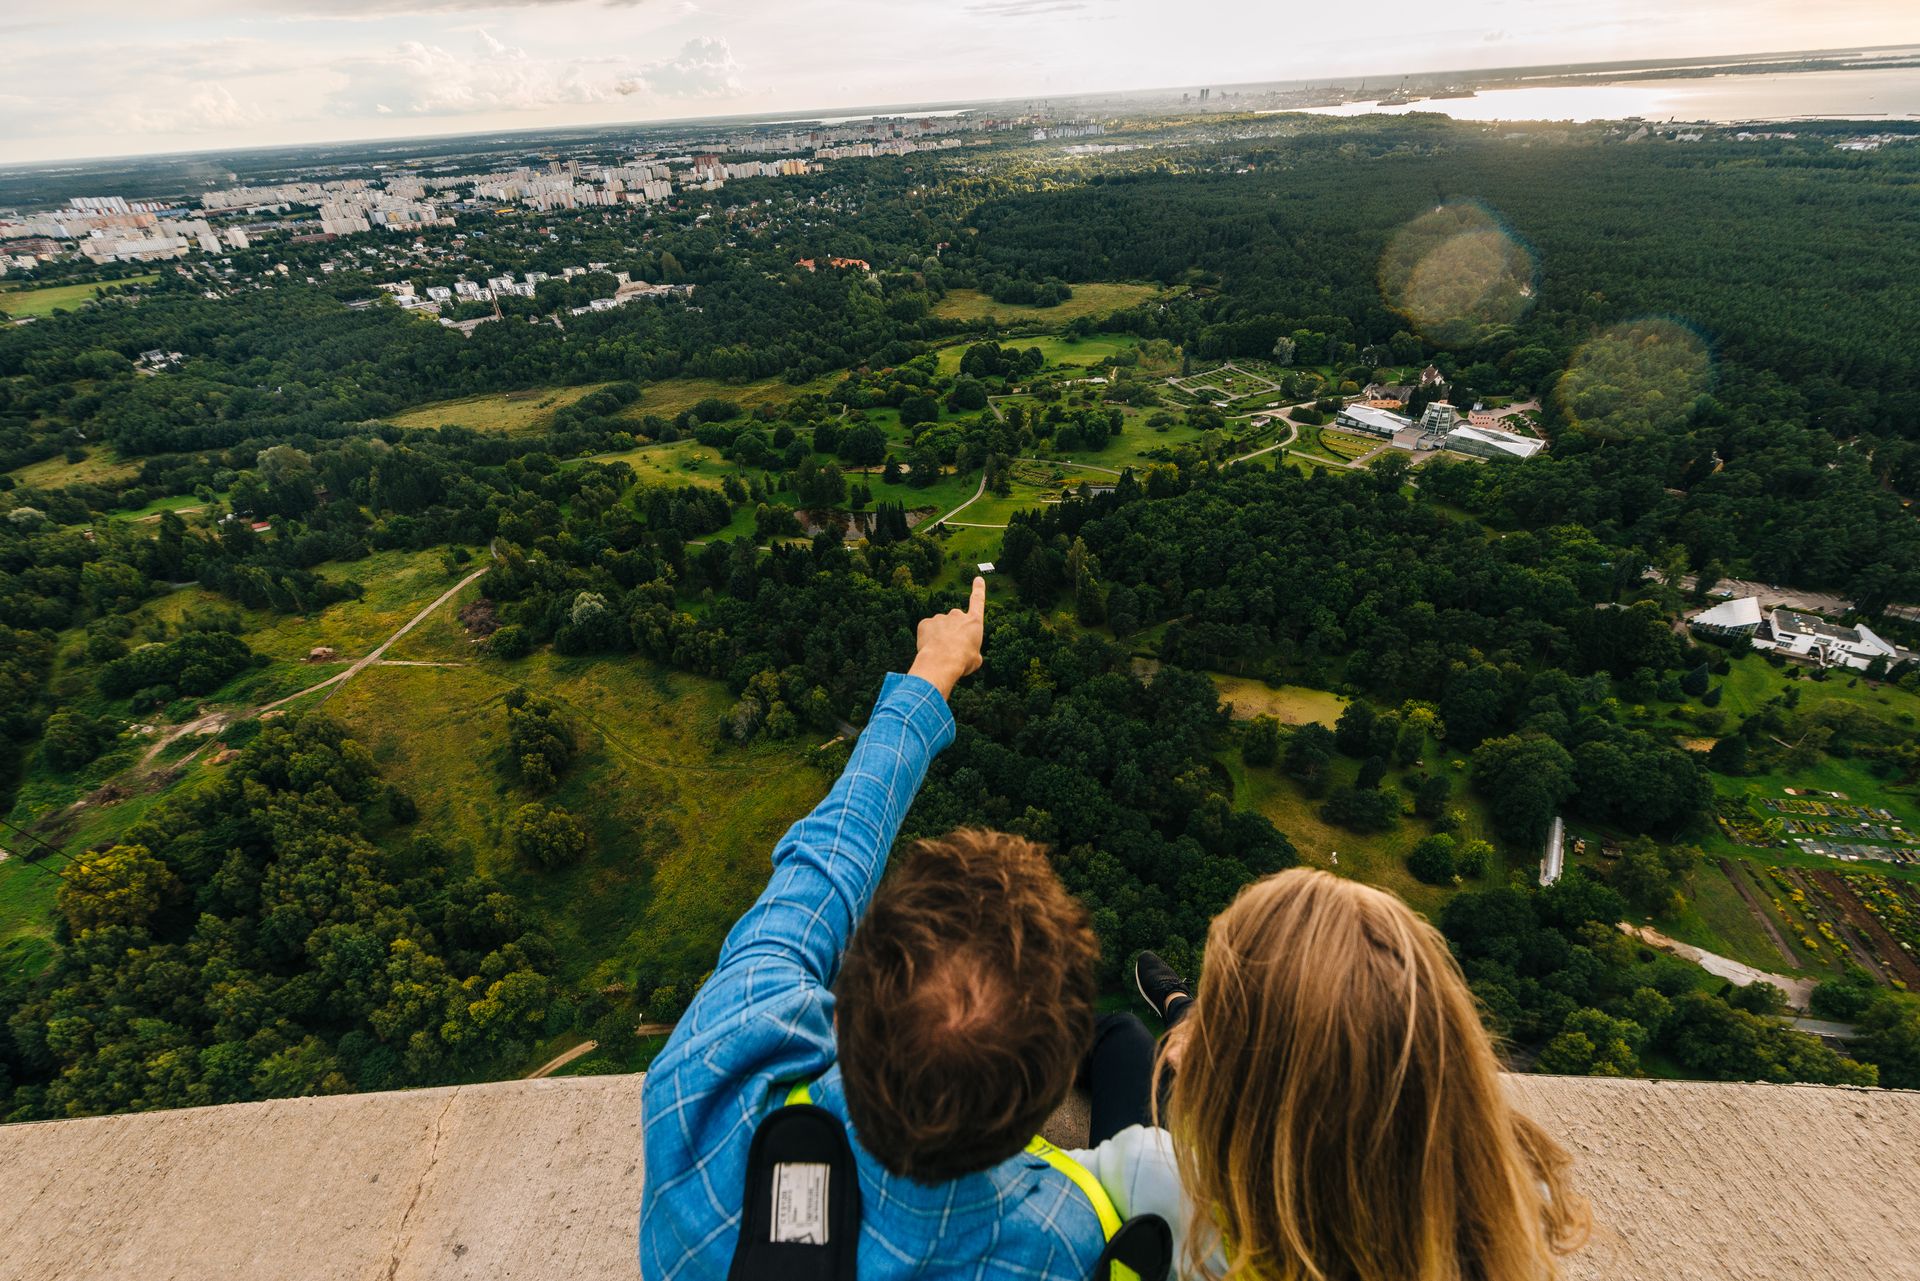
x=950 y=643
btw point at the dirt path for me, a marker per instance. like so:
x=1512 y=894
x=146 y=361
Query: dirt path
x=1759 y=913
x=214 y=722
x=559 y=1061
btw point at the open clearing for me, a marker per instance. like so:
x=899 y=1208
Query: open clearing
x=101 y=466
x=45 y=300
x=1290 y=704
x=1087 y=300
x=1378 y=858
x=496 y=411
x=533 y=409
x=681 y=827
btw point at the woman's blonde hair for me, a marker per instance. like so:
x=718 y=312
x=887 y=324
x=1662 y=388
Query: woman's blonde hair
x=1337 y=1109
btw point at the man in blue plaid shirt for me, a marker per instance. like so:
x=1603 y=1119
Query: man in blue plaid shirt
x=964 y=1004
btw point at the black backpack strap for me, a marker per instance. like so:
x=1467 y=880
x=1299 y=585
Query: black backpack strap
x=1143 y=1247
x=801 y=1217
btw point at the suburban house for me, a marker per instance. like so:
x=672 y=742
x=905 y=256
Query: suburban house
x=1491 y=442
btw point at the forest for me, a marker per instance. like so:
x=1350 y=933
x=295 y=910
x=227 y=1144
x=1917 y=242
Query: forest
x=287 y=922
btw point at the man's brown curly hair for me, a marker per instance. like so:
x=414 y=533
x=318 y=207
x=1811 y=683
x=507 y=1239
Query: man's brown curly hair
x=964 y=1005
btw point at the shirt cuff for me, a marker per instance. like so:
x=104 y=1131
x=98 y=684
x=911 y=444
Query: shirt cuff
x=916 y=702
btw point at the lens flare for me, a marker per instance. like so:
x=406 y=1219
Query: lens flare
x=1456 y=274
x=1635 y=379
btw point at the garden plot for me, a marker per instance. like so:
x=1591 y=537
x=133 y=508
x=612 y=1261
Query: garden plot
x=1225 y=383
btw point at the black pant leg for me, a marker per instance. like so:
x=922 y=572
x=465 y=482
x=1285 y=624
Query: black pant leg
x=1119 y=1075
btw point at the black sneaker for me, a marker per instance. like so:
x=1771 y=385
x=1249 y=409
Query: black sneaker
x=1158 y=983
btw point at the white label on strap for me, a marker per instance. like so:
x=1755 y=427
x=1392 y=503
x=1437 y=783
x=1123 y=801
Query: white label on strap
x=800 y=1202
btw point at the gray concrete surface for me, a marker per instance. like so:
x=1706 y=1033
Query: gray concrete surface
x=540 y=1179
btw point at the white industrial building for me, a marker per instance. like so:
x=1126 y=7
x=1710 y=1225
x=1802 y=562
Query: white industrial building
x=1375 y=422
x=1798 y=636
x=1491 y=442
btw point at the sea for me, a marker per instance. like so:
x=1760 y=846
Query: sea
x=1880 y=94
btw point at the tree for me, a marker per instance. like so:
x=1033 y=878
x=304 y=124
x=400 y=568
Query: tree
x=72 y=739
x=1353 y=732
x=1431 y=795
x=1309 y=757
x=1525 y=778
x=1361 y=809
x=1260 y=741
x=1890 y=1038
x=125 y=885
x=862 y=445
x=1472 y=857
x=546 y=836
x=1283 y=351
x=1432 y=861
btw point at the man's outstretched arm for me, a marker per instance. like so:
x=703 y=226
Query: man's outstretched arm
x=780 y=958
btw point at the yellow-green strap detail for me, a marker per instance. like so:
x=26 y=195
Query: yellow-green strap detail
x=1083 y=1179
x=799 y=1094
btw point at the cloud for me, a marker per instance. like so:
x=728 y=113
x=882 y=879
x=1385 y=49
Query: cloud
x=356 y=10
x=421 y=79
x=206 y=108
x=704 y=68
x=1023 y=8
x=418 y=78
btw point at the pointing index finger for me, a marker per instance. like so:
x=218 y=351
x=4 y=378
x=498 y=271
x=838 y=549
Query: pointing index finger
x=977 y=607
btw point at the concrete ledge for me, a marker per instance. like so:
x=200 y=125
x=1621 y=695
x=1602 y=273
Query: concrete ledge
x=541 y=1179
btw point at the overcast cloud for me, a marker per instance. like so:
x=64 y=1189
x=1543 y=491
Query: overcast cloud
x=112 y=77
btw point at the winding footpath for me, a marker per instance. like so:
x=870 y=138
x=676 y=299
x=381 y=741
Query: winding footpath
x=214 y=722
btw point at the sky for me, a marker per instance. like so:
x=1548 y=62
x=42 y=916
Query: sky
x=122 y=77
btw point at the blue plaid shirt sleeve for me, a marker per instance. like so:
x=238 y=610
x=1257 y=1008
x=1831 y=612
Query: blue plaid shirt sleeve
x=765 y=1016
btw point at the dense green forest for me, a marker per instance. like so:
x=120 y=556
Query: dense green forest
x=290 y=919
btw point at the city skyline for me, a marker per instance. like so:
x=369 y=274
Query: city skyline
x=115 y=79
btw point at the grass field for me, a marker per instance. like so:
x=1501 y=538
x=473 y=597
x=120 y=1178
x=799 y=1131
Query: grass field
x=670 y=397
x=397 y=585
x=682 y=462
x=1059 y=349
x=1087 y=300
x=1291 y=704
x=1376 y=858
x=533 y=409
x=681 y=828
x=497 y=411
x=45 y=300
x=101 y=466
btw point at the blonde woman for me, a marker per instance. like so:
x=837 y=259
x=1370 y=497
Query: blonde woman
x=1337 y=1112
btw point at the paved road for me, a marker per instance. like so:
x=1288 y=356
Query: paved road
x=1827 y=1028
x=970 y=502
x=1799 y=991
